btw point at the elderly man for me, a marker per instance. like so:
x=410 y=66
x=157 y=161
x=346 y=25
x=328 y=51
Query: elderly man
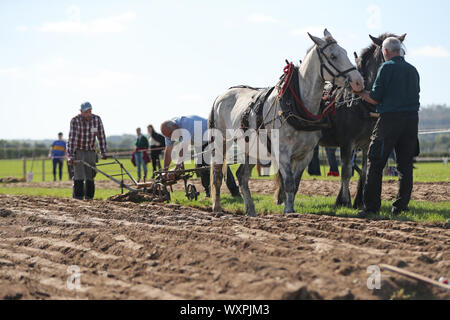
x=84 y=129
x=188 y=124
x=396 y=94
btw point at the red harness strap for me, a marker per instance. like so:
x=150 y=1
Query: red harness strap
x=288 y=71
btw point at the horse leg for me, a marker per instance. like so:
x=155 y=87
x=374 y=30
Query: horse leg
x=280 y=193
x=344 y=198
x=289 y=185
x=299 y=169
x=217 y=177
x=358 y=203
x=243 y=175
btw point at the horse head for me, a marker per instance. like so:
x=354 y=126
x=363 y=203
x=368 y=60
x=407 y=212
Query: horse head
x=334 y=63
x=371 y=58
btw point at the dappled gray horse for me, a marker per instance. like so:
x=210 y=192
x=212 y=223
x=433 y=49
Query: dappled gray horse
x=352 y=126
x=325 y=61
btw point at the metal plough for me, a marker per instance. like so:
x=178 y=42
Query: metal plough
x=158 y=187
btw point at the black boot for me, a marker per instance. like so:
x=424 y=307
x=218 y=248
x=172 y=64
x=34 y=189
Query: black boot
x=78 y=189
x=89 y=190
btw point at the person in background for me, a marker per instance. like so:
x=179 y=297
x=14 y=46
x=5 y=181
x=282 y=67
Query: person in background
x=85 y=128
x=58 y=153
x=157 y=145
x=140 y=153
x=332 y=161
x=314 y=165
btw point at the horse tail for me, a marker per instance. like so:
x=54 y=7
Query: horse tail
x=211 y=120
x=213 y=125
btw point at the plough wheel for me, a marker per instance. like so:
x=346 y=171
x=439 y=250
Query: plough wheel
x=160 y=191
x=191 y=192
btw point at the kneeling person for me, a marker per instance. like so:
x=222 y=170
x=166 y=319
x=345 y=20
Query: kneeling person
x=188 y=124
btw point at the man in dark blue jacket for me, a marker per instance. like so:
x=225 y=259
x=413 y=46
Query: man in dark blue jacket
x=396 y=94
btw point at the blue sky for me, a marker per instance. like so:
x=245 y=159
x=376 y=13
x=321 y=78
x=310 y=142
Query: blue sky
x=142 y=62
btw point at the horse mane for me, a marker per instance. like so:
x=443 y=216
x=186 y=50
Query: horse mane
x=371 y=55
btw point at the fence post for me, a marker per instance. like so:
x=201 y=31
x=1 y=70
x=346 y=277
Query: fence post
x=43 y=169
x=24 y=168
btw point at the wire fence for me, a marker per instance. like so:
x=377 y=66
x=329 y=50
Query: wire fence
x=41 y=169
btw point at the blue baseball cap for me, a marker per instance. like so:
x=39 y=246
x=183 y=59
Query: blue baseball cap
x=86 y=106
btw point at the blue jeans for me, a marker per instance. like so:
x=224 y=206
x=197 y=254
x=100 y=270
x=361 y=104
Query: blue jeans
x=57 y=162
x=332 y=161
x=140 y=162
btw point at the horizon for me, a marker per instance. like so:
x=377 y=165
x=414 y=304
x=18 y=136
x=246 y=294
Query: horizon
x=137 y=67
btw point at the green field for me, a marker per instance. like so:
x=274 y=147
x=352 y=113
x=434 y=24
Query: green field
x=424 y=172
x=420 y=211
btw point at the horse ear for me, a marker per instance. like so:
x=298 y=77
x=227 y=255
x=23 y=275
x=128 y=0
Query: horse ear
x=327 y=33
x=376 y=41
x=316 y=40
x=402 y=38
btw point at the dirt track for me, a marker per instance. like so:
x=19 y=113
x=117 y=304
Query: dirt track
x=149 y=251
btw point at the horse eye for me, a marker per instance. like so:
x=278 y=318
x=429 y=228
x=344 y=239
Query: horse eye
x=333 y=57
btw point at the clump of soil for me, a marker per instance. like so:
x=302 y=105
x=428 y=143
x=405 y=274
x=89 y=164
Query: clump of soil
x=4 y=213
x=135 y=197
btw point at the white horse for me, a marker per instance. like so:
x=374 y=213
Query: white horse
x=325 y=61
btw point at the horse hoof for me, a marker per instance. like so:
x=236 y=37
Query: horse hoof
x=251 y=214
x=357 y=206
x=217 y=210
x=343 y=204
x=218 y=215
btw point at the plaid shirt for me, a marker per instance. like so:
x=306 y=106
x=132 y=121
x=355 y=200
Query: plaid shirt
x=83 y=133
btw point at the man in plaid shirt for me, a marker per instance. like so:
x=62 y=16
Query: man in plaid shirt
x=84 y=128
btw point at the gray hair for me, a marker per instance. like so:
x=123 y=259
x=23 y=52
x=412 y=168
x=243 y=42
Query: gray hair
x=393 y=45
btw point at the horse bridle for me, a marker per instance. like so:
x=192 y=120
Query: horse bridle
x=322 y=55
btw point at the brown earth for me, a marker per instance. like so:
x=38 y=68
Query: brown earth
x=153 y=251
x=435 y=192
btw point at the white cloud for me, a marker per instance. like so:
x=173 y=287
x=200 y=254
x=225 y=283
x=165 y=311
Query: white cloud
x=261 y=18
x=22 y=28
x=102 y=25
x=313 y=30
x=60 y=73
x=431 y=52
x=374 y=20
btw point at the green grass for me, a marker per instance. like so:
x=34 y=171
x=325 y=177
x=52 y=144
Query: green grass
x=420 y=211
x=425 y=172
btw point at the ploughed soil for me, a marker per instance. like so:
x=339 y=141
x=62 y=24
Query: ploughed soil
x=435 y=192
x=154 y=251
